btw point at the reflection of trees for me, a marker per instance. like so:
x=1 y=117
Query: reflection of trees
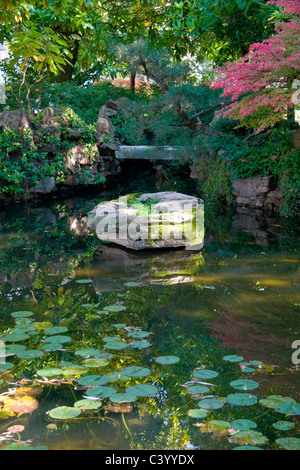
x=244 y=335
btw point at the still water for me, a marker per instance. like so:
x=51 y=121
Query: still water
x=163 y=319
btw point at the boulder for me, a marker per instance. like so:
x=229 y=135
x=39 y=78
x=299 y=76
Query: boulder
x=18 y=120
x=251 y=191
x=149 y=221
x=44 y=186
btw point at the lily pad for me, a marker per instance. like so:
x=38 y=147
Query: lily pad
x=83 y=281
x=247 y=448
x=289 y=408
x=198 y=389
x=56 y=330
x=88 y=352
x=289 y=443
x=139 y=334
x=22 y=314
x=50 y=372
x=251 y=437
x=205 y=374
x=14 y=338
x=140 y=344
x=242 y=399
x=64 y=412
x=88 y=404
x=30 y=354
x=115 y=308
x=243 y=424
x=244 y=384
x=101 y=392
x=272 y=401
x=198 y=413
x=123 y=397
x=142 y=390
x=96 y=362
x=210 y=404
x=58 y=339
x=5 y=366
x=167 y=360
x=116 y=345
x=233 y=358
x=284 y=425
x=135 y=371
x=92 y=380
x=51 y=347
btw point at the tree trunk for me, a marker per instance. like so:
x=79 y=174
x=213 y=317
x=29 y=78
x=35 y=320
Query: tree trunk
x=132 y=81
x=66 y=74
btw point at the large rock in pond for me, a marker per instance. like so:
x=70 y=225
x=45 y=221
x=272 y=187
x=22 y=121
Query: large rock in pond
x=149 y=221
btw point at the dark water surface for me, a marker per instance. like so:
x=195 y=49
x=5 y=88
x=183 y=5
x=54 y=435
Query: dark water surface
x=238 y=297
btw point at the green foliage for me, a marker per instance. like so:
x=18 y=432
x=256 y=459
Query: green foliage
x=20 y=160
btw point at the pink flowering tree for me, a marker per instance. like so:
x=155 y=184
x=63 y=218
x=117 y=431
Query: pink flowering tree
x=263 y=84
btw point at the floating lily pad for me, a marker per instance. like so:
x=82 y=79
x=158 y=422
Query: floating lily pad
x=51 y=347
x=243 y=424
x=123 y=397
x=210 y=404
x=58 y=339
x=73 y=370
x=42 y=325
x=83 y=281
x=142 y=390
x=116 y=345
x=50 y=372
x=255 y=363
x=198 y=413
x=244 y=384
x=5 y=366
x=88 y=352
x=22 y=314
x=233 y=358
x=88 y=404
x=289 y=443
x=247 y=448
x=272 y=401
x=248 y=370
x=119 y=325
x=14 y=348
x=284 y=425
x=205 y=374
x=135 y=371
x=114 y=308
x=96 y=362
x=140 y=344
x=242 y=399
x=288 y=408
x=64 y=412
x=139 y=334
x=30 y=354
x=251 y=437
x=101 y=392
x=92 y=380
x=14 y=338
x=167 y=360
x=112 y=338
x=56 y=330
x=198 y=389
x=219 y=423
x=132 y=284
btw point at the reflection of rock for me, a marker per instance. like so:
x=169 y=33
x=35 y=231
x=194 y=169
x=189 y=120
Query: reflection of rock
x=158 y=220
x=117 y=267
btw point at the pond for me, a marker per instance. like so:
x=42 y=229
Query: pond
x=103 y=348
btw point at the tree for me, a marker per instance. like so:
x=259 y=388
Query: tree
x=262 y=83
